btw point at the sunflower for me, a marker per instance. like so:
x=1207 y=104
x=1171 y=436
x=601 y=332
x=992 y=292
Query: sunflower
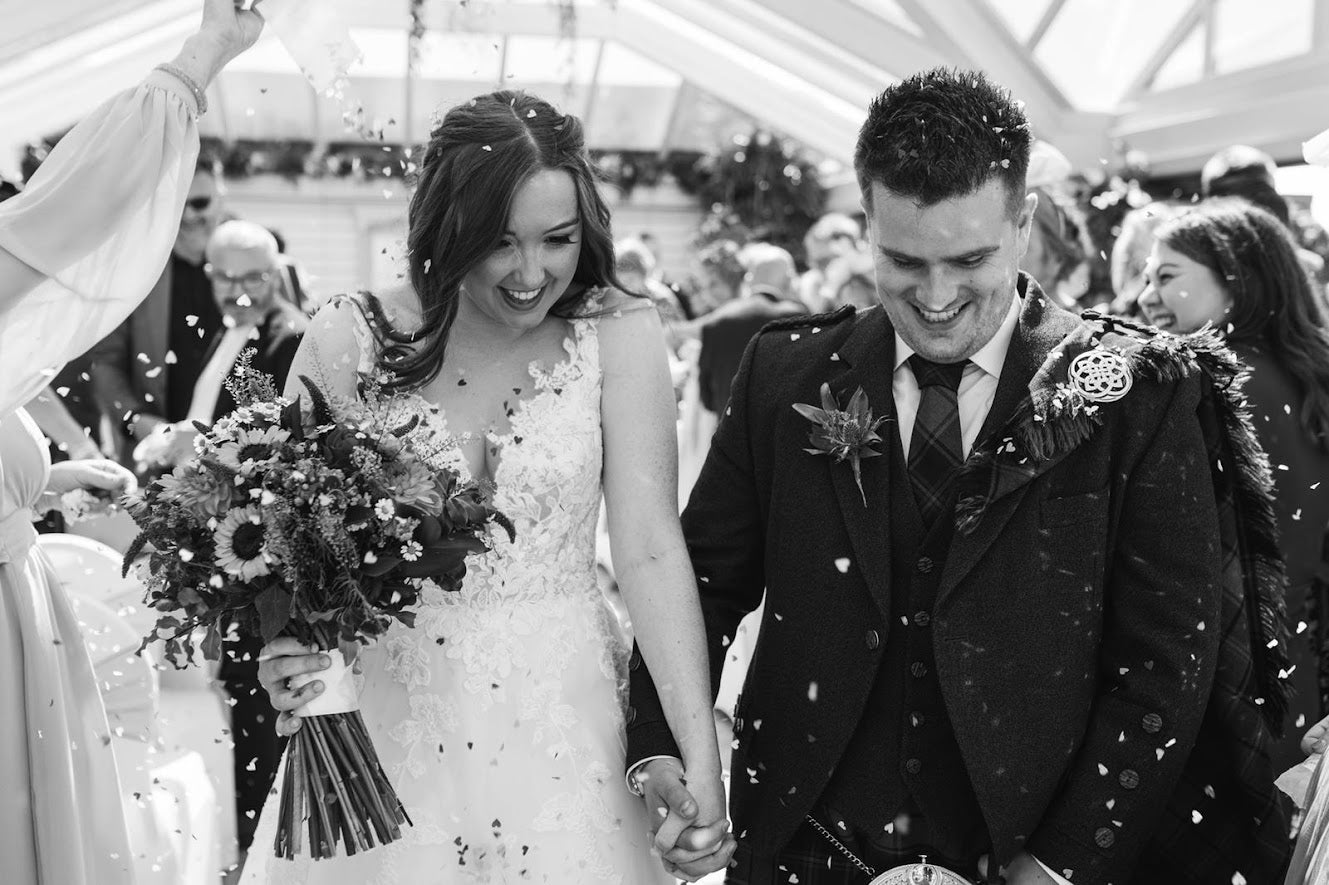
x=241 y=547
x=251 y=447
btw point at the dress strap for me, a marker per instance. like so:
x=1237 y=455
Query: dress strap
x=365 y=339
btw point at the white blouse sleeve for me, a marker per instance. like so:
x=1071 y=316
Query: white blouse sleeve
x=97 y=221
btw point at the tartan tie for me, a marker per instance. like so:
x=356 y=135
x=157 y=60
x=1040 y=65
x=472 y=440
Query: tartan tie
x=935 y=450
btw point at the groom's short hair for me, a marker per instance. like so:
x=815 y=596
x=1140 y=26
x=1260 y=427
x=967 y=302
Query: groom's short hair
x=941 y=134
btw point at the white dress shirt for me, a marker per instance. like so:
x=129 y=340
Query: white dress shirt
x=978 y=385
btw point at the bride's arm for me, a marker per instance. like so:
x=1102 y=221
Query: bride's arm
x=651 y=562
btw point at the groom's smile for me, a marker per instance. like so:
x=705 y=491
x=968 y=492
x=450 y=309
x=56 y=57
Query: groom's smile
x=946 y=272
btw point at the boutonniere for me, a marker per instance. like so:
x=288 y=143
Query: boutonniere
x=846 y=434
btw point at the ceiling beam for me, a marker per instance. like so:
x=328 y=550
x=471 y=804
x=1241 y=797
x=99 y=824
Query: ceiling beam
x=1044 y=23
x=984 y=41
x=1265 y=107
x=849 y=28
x=762 y=88
x=731 y=21
x=1189 y=20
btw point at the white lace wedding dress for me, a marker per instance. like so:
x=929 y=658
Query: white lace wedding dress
x=500 y=717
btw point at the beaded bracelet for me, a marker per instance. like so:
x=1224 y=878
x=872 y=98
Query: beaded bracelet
x=190 y=82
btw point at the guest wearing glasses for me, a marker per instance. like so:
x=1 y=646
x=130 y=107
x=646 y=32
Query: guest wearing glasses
x=244 y=271
x=144 y=371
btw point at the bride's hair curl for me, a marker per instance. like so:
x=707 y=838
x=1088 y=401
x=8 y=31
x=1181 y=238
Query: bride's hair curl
x=478 y=156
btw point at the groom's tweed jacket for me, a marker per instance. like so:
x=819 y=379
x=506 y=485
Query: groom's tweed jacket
x=1077 y=626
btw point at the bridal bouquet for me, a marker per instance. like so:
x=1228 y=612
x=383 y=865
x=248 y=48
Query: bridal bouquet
x=293 y=522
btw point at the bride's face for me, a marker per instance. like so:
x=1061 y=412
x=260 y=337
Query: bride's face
x=531 y=269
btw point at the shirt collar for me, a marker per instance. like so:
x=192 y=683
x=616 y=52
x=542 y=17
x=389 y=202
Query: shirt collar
x=991 y=356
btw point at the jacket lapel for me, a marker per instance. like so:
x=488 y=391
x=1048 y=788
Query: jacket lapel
x=1003 y=483
x=868 y=361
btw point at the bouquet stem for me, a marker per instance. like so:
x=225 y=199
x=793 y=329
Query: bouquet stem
x=334 y=788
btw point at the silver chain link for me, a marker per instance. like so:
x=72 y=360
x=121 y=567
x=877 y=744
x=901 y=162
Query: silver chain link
x=816 y=825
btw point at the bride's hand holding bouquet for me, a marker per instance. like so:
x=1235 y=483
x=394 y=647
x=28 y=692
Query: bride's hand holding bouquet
x=321 y=528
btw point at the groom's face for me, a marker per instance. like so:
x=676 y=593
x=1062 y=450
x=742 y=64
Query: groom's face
x=946 y=273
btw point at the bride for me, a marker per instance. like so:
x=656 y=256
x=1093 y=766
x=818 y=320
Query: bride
x=500 y=716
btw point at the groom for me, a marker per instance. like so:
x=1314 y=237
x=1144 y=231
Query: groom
x=1006 y=666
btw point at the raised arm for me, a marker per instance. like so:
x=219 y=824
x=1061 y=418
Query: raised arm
x=84 y=242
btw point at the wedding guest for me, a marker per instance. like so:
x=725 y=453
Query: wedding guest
x=74 y=262
x=1014 y=640
x=720 y=275
x=1248 y=173
x=831 y=236
x=1130 y=254
x=1233 y=266
x=766 y=293
x=1059 y=249
x=144 y=372
x=850 y=278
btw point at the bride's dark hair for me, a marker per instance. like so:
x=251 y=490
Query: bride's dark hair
x=477 y=158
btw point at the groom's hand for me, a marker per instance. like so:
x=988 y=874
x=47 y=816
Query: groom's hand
x=692 y=837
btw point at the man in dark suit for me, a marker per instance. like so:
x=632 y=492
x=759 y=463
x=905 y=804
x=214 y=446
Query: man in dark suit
x=766 y=294
x=991 y=637
x=143 y=373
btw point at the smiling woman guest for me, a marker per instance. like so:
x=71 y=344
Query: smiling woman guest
x=500 y=717
x=1233 y=266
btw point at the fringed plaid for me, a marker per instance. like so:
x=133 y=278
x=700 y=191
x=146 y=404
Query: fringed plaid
x=1226 y=819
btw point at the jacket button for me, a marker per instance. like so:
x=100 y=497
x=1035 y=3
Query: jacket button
x=922 y=619
x=634 y=662
x=631 y=715
x=919 y=669
x=924 y=565
x=1103 y=837
x=913 y=766
x=1129 y=778
x=1152 y=723
x=872 y=640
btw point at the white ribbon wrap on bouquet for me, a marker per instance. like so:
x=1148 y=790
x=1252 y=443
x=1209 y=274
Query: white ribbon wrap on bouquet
x=1316 y=151
x=317 y=36
x=339 y=694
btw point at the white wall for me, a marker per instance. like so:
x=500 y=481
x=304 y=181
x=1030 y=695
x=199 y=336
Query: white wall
x=338 y=229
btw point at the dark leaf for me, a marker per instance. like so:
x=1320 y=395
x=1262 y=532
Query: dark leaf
x=274 y=611
x=812 y=413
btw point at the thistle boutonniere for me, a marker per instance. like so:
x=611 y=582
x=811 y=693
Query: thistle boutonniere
x=846 y=434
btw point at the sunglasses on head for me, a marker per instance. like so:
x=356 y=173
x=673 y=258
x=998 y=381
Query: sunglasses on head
x=199 y=204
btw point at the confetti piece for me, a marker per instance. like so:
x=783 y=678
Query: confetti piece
x=842 y=564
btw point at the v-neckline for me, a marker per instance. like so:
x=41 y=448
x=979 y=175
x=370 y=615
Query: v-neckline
x=536 y=373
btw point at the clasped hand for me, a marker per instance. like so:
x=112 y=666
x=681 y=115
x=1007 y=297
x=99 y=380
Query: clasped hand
x=688 y=825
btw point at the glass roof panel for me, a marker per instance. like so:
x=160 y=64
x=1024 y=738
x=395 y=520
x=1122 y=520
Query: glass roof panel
x=550 y=60
x=1020 y=16
x=1255 y=32
x=1093 y=51
x=622 y=66
x=891 y=11
x=1185 y=64
x=460 y=56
